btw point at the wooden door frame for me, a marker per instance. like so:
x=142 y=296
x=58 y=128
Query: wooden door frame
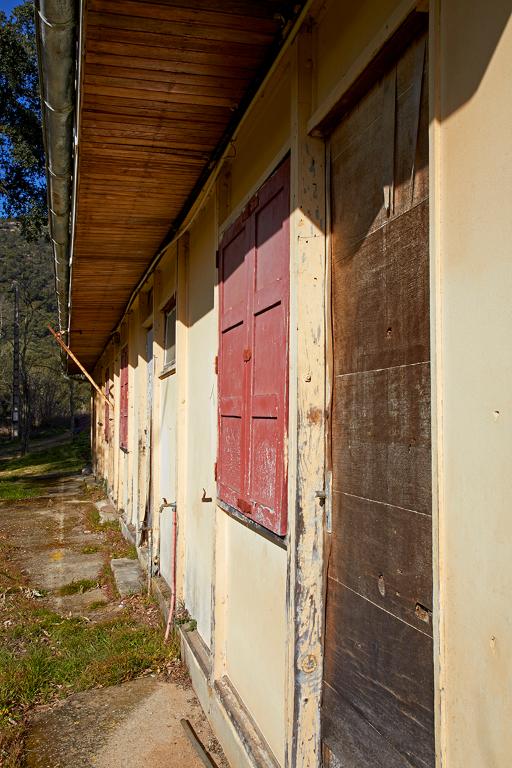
x=310 y=521
x=419 y=20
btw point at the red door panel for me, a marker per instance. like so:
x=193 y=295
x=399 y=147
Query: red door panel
x=253 y=356
x=106 y=413
x=123 y=412
x=233 y=341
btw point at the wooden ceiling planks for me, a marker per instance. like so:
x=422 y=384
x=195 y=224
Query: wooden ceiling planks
x=162 y=83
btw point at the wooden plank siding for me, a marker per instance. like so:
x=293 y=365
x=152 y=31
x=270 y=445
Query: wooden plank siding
x=378 y=675
x=162 y=85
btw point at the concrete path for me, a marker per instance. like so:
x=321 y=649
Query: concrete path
x=133 y=725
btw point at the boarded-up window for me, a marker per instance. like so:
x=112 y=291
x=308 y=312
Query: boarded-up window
x=106 y=419
x=123 y=414
x=253 y=356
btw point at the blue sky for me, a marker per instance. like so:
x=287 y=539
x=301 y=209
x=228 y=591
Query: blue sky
x=8 y=5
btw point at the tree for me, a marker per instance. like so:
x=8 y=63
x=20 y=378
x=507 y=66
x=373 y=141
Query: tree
x=25 y=253
x=22 y=166
x=47 y=393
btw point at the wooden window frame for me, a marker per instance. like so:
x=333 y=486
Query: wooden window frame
x=169 y=366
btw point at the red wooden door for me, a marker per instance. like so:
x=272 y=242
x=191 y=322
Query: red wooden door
x=253 y=356
x=123 y=410
x=106 y=419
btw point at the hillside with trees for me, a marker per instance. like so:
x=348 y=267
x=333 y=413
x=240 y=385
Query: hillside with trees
x=48 y=397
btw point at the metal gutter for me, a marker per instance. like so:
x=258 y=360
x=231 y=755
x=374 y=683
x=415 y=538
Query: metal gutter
x=56 y=46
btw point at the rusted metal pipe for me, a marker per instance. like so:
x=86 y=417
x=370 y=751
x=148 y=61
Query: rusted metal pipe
x=199 y=748
x=172 y=606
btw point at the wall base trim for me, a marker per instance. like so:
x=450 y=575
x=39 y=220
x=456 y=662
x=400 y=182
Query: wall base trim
x=233 y=726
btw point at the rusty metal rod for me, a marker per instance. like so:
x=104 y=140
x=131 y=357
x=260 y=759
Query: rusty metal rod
x=192 y=736
x=77 y=361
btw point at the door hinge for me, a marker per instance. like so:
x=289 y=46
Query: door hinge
x=216 y=363
x=217 y=258
x=215 y=471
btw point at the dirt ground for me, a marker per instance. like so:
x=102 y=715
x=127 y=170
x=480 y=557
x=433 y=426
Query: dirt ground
x=56 y=541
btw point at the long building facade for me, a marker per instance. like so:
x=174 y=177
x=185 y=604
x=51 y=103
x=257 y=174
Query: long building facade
x=283 y=251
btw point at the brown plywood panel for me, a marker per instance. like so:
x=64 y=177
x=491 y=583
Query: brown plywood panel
x=384 y=668
x=378 y=647
x=381 y=296
x=355 y=742
x=384 y=553
x=381 y=442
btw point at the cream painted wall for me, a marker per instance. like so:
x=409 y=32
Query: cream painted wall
x=472 y=270
x=261 y=138
x=256 y=628
x=201 y=419
x=341 y=34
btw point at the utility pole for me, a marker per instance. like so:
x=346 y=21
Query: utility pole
x=16 y=365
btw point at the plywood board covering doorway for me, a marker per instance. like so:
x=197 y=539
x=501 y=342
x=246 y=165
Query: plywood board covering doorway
x=378 y=699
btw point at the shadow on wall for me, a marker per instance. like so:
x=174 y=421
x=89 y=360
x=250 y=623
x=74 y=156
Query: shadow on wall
x=469 y=62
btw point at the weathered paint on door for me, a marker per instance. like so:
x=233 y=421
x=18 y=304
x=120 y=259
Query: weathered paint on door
x=253 y=356
x=123 y=386
x=378 y=673
x=106 y=407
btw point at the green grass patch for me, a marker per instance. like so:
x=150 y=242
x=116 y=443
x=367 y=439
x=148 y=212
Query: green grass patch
x=96 y=604
x=109 y=525
x=93 y=519
x=124 y=549
x=50 y=656
x=78 y=587
x=14 y=489
x=17 y=475
x=90 y=549
x=69 y=457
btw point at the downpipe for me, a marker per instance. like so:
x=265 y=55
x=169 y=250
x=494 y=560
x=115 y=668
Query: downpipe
x=172 y=606
x=174 y=539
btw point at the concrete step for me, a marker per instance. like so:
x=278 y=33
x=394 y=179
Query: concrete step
x=128 y=576
x=107 y=511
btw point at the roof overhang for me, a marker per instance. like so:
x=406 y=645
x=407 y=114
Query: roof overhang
x=159 y=89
